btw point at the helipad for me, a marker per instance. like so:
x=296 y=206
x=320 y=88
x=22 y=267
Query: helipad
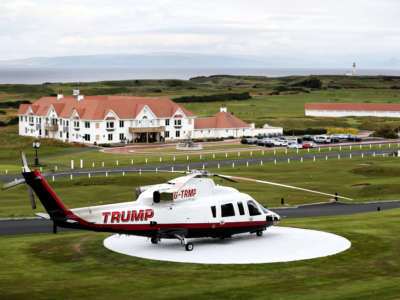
x=278 y=244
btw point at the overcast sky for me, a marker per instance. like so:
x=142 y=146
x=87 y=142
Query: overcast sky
x=332 y=29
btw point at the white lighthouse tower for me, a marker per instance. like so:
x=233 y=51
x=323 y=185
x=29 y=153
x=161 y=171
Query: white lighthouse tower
x=353 y=71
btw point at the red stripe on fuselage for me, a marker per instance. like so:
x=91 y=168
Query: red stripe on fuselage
x=130 y=227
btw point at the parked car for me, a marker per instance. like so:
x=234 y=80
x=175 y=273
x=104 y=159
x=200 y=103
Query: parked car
x=309 y=145
x=249 y=141
x=308 y=137
x=279 y=142
x=294 y=146
x=322 y=139
x=353 y=138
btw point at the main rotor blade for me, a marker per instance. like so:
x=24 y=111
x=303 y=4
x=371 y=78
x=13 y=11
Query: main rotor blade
x=24 y=162
x=31 y=197
x=224 y=177
x=283 y=185
x=13 y=183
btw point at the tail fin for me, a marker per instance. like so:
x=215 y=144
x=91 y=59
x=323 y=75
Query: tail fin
x=51 y=202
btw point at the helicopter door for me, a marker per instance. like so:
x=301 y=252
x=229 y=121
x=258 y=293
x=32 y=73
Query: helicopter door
x=227 y=213
x=253 y=209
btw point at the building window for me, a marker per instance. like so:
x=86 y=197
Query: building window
x=121 y=136
x=167 y=134
x=110 y=137
x=178 y=133
x=67 y=123
x=227 y=210
x=86 y=137
x=87 y=124
x=76 y=124
x=20 y=118
x=60 y=134
x=166 y=122
x=26 y=119
x=178 y=122
x=121 y=123
x=110 y=125
x=97 y=125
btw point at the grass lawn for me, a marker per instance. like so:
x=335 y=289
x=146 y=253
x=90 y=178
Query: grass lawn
x=11 y=144
x=378 y=176
x=76 y=265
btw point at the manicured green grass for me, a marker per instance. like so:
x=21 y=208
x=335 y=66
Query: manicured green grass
x=378 y=177
x=11 y=144
x=76 y=265
x=170 y=156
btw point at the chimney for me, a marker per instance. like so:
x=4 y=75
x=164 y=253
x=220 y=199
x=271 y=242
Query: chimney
x=60 y=95
x=80 y=96
x=223 y=108
x=75 y=93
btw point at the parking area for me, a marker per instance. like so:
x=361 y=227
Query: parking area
x=314 y=141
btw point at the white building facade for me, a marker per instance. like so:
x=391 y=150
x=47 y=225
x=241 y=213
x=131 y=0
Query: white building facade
x=352 y=110
x=116 y=119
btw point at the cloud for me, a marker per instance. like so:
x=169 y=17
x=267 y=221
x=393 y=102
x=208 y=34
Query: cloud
x=262 y=28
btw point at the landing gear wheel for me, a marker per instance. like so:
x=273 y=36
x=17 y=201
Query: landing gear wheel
x=154 y=240
x=189 y=246
x=259 y=233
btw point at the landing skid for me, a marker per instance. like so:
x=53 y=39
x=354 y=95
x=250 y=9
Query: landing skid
x=181 y=237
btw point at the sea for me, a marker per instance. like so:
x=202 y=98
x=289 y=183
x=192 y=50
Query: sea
x=47 y=75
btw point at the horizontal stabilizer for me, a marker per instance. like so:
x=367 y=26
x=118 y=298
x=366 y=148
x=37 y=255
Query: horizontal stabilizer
x=43 y=216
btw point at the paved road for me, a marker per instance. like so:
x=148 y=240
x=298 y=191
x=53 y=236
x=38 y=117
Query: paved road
x=208 y=164
x=30 y=226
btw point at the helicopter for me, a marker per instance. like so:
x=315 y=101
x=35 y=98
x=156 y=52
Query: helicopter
x=190 y=206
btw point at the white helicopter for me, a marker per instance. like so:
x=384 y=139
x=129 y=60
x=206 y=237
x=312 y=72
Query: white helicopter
x=190 y=206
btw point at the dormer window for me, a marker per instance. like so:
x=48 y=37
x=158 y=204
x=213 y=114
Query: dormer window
x=110 y=125
x=76 y=124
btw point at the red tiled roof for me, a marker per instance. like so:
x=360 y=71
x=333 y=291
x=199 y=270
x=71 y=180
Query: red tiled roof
x=97 y=107
x=220 y=120
x=23 y=108
x=352 y=106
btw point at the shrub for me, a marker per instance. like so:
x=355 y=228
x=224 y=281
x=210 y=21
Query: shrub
x=302 y=131
x=386 y=131
x=342 y=130
x=312 y=82
x=214 y=97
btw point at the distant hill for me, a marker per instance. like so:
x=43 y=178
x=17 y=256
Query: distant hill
x=138 y=61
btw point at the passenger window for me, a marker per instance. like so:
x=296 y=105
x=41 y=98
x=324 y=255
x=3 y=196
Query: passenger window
x=214 y=211
x=241 y=208
x=253 y=209
x=227 y=210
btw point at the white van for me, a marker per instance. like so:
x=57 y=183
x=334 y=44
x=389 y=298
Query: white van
x=322 y=139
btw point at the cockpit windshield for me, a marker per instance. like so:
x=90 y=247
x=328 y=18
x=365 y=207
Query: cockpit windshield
x=264 y=210
x=253 y=209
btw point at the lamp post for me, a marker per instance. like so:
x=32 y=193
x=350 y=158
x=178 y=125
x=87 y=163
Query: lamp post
x=36 y=146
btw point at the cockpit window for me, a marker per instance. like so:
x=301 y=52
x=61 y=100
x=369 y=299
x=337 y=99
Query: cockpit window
x=214 y=211
x=241 y=208
x=253 y=209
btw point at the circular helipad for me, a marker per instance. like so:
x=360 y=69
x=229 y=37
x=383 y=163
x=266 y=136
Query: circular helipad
x=278 y=244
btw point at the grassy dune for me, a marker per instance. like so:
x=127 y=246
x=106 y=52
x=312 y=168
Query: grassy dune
x=76 y=265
